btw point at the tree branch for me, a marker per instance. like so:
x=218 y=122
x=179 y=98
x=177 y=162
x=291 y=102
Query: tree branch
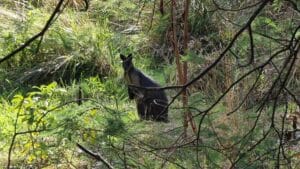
x=96 y=156
x=55 y=13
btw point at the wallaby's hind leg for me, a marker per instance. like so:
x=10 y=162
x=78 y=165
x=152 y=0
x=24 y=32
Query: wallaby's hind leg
x=162 y=116
x=159 y=111
x=130 y=94
x=142 y=110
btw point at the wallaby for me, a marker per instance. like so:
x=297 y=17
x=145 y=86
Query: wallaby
x=151 y=104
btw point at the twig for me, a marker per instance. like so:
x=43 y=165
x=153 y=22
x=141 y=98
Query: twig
x=251 y=59
x=152 y=15
x=15 y=134
x=140 y=12
x=56 y=12
x=96 y=156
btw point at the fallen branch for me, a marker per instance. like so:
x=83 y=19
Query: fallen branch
x=96 y=156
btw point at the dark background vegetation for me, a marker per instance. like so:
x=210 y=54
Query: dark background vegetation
x=230 y=69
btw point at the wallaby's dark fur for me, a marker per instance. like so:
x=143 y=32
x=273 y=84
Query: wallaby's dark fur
x=151 y=104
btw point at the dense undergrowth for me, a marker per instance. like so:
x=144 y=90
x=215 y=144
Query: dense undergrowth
x=42 y=119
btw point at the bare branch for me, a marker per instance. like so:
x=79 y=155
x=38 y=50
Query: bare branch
x=15 y=134
x=96 y=156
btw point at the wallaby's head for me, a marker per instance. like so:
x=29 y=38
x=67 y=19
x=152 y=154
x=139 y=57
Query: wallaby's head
x=127 y=61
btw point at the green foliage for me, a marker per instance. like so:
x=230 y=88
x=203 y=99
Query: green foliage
x=202 y=23
x=50 y=122
x=84 y=42
x=115 y=126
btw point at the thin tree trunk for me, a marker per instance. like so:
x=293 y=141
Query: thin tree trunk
x=185 y=66
x=177 y=60
x=230 y=99
x=175 y=42
x=182 y=67
x=187 y=114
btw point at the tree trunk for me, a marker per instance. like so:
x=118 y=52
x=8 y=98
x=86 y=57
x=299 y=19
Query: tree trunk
x=187 y=114
x=182 y=67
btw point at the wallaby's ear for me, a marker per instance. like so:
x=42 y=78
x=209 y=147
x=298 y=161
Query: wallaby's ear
x=130 y=56
x=122 y=57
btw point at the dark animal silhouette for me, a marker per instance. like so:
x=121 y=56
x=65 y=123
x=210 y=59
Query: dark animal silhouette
x=151 y=104
x=79 y=96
